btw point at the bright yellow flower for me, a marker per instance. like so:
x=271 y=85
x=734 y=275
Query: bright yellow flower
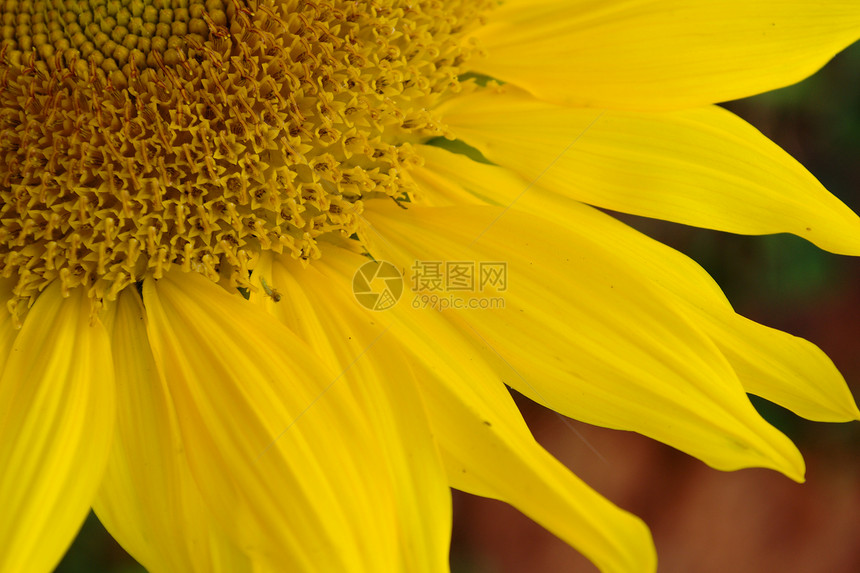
x=188 y=190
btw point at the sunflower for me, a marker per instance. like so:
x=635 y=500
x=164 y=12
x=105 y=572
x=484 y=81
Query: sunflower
x=191 y=192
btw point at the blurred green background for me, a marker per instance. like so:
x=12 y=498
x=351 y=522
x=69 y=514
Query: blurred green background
x=703 y=520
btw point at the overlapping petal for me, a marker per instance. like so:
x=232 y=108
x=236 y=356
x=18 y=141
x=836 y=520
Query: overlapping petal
x=490 y=452
x=273 y=442
x=703 y=167
x=148 y=500
x=370 y=364
x=660 y=54
x=782 y=368
x=56 y=424
x=487 y=447
x=587 y=336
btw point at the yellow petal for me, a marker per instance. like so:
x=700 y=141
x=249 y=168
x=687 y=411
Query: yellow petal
x=660 y=54
x=782 y=368
x=283 y=455
x=480 y=431
x=785 y=369
x=319 y=306
x=585 y=334
x=490 y=452
x=148 y=499
x=56 y=423
x=702 y=167
x=440 y=184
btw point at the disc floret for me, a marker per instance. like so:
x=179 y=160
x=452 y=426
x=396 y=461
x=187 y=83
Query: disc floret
x=140 y=136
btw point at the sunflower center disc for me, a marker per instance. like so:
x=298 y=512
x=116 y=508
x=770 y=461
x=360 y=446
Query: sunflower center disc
x=140 y=135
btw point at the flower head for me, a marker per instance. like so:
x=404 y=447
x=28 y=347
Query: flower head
x=191 y=190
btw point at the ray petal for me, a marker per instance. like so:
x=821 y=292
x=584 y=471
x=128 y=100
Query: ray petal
x=56 y=423
x=148 y=500
x=485 y=444
x=370 y=361
x=660 y=54
x=704 y=167
x=283 y=454
x=583 y=333
x=775 y=365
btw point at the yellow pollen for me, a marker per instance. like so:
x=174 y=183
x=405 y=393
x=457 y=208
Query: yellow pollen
x=144 y=135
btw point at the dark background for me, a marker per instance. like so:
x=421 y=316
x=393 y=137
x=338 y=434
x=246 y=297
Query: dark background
x=751 y=521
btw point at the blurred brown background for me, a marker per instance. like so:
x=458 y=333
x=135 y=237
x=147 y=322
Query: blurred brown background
x=704 y=521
